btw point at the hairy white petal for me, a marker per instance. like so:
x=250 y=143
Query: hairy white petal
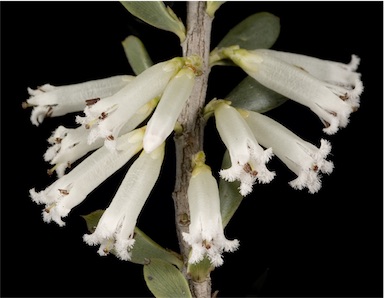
x=301 y=157
x=119 y=219
x=52 y=101
x=72 y=188
x=206 y=232
x=248 y=158
x=108 y=115
x=329 y=89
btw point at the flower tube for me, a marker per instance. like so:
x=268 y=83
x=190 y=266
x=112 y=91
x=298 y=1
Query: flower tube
x=72 y=188
x=248 y=158
x=53 y=101
x=70 y=144
x=115 y=229
x=330 y=89
x=206 y=232
x=177 y=92
x=301 y=157
x=340 y=77
x=107 y=116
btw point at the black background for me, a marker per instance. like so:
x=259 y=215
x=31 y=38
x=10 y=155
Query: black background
x=328 y=244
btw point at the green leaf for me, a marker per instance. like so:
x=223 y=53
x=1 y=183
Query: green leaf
x=92 y=219
x=144 y=250
x=251 y=95
x=230 y=197
x=164 y=280
x=156 y=14
x=137 y=54
x=200 y=272
x=258 y=31
x=212 y=6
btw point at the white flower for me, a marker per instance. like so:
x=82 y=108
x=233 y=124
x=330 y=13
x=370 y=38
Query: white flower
x=301 y=157
x=107 y=116
x=329 y=89
x=115 y=229
x=70 y=144
x=175 y=95
x=206 y=233
x=248 y=158
x=53 y=101
x=71 y=189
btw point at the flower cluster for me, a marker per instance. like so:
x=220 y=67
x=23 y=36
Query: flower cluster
x=330 y=89
x=110 y=133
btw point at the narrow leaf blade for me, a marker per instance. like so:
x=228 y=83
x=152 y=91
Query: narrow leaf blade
x=230 y=197
x=137 y=54
x=164 y=280
x=144 y=249
x=258 y=31
x=212 y=6
x=251 y=95
x=156 y=14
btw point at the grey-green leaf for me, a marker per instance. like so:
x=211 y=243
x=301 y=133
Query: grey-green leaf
x=144 y=249
x=92 y=219
x=200 y=272
x=212 y=6
x=137 y=54
x=251 y=95
x=158 y=15
x=165 y=280
x=258 y=31
x=230 y=197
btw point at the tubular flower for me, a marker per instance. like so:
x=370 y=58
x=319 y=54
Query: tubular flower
x=115 y=229
x=177 y=92
x=106 y=117
x=53 y=101
x=301 y=157
x=72 y=188
x=206 y=233
x=70 y=144
x=248 y=158
x=329 y=89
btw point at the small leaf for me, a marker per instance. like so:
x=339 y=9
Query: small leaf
x=144 y=249
x=137 y=54
x=230 y=197
x=92 y=219
x=258 y=31
x=200 y=272
x=251 y=95
x=156 y=14
x=164 y=280
x=212 y=6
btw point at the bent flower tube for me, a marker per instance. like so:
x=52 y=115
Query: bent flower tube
x=301 y=157
x=248 y=158
x=72 y=188
x=177 y=92
x=107 y=116
x=330 y=89
x=53 y=101
x=70 y=144
x=115 y=229
x=206 y=233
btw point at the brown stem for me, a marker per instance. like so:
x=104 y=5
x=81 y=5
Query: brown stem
x=190 y=141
